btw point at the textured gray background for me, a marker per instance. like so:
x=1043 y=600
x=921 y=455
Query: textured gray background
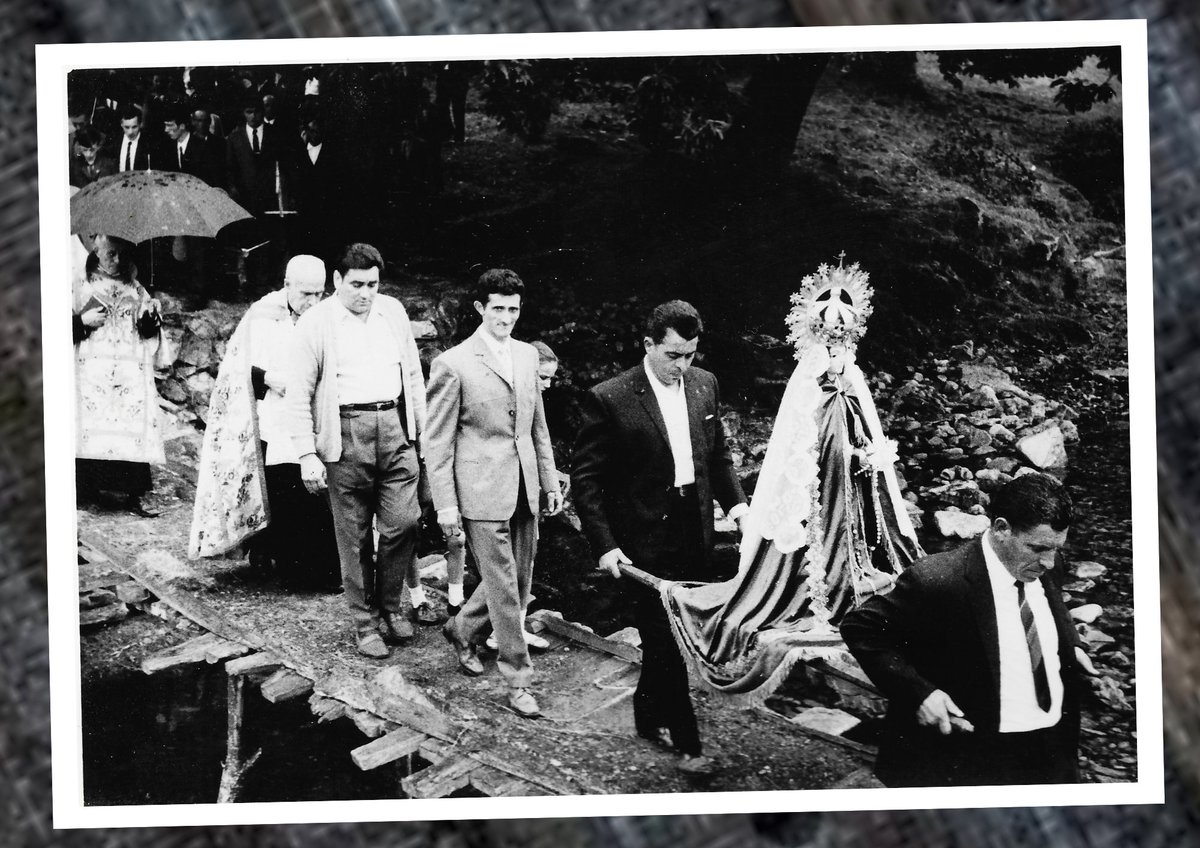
x=1174 y=33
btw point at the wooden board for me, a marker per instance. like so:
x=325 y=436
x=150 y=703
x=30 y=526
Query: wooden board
x=387 y=749
x=438 y=781
x=186 y=653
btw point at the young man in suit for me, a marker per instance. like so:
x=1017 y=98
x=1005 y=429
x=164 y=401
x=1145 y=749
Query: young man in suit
x=489 y=458
x=977 y=655
x=136 y=151
x=650 y=458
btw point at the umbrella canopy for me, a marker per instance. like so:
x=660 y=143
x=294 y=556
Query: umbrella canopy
x=139 y=205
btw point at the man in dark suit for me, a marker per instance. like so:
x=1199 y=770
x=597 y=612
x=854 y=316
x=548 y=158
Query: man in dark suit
x=186 y=151
x=321 y=180
x=650 y=457
x=252 y=156
x=977 y=655
x=259 y=162
x=192 y=154
x=136 y=151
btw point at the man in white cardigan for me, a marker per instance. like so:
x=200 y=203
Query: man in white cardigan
x=356 y=416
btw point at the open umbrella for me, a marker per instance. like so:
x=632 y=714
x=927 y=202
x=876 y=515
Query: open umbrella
x=140 y=205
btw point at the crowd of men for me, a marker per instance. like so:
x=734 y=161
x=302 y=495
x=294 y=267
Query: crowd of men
x=282 y=147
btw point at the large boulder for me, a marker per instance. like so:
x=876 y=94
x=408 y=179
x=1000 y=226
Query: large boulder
x=978 y=374
x=961 y=525
x=1046 y=449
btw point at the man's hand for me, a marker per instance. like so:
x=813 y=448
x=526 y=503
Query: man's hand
x=554 y=503
x=451 y=529
x=1085 y=662
x=612 y=561
x=312 y=472
x=94 y=317
x=275 y=382
x=938 y=710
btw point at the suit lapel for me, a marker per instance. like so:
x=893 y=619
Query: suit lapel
x=640 y=384
x=483 y=352
x=983 y=608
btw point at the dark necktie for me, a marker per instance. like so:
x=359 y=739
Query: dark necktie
x=1041 y=684
x=129 y=156
x=254 y=140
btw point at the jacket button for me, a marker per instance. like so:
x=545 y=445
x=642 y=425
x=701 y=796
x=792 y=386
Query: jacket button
x=512 y=413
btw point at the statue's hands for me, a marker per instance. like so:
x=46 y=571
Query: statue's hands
x=613 y=560
x=940 y=711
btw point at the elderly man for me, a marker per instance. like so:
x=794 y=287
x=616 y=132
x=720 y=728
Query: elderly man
x=356 y=415
x=977 y=655
x=249 y=396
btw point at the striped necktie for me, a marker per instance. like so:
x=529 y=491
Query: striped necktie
x=1041 y=683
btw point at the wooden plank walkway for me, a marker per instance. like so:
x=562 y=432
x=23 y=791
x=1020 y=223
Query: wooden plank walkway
x=446 y=732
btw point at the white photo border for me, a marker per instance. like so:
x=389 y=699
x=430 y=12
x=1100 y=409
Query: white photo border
x=55 y=61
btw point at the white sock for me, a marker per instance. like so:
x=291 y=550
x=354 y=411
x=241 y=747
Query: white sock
x=455 y=592
x=417 y=594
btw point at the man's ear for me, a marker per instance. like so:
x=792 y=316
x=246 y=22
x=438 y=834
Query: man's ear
x=1001 y=527
x=647 y=343
x=479 y=307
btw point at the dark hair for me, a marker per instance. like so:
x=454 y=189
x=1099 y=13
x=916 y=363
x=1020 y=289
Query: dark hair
x=252 y=100
x=88 y=136
x=131 y=111
x=499 y=281
x=1032 y=500
x=677 y=315
x=545 y=354
x=359 y=257
x=177 y=112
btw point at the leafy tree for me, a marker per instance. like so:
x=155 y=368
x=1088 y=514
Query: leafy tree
x=1059 y=64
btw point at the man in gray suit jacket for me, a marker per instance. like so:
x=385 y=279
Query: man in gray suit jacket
x=488 y=458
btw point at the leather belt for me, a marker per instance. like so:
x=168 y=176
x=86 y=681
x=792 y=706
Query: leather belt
x=368 y=407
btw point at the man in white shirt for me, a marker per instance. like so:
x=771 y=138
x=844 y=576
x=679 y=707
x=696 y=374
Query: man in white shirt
x=977 y=654
x=650 y=458
x=355 y=409
x=490 y=458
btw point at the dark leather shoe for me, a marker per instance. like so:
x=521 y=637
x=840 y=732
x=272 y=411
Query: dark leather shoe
x=698 y=766
x=424 y=614
x=395 y=627
x=465 y=652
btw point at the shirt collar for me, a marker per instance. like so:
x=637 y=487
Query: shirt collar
x=657 y=384
x=344 y=313
x=999 y=575
x=500 y=348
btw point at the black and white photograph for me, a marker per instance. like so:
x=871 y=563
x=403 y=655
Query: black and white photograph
x=701 y=422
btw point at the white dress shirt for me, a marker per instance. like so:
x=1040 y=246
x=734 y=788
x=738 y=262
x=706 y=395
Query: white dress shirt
x=1019 y=710
x=368 y=359
x=672 y=403
x=181 y=147
x=502 y=350
x=128 y=153
x=251 y=132
x=314 y=151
